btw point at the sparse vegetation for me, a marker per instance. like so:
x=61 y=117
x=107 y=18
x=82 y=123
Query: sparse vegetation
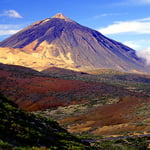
x=23 y=130
x=54 y=92
x=135 y=143
x=83 y=100
x=134 y=82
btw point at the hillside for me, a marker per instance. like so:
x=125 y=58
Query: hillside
x=129 y=116
x=132 y=81
x=80 y=101
x=62 y=42
x=22 y=129
x=34 y=91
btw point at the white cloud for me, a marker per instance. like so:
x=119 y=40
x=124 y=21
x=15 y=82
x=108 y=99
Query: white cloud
x=8 y=26
x=8 y=32
x=138 y=2
x=106 y=14
x=7 y=29
x=129 y=3
x=132 y=44
x=12 y=14
x=144 y=1
x=143 y=19
x=144 y=54
x=139 y=26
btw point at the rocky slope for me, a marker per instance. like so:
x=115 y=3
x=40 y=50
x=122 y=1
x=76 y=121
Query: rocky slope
x=61 y=42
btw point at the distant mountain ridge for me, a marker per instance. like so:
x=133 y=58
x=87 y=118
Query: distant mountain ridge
x=61 y=42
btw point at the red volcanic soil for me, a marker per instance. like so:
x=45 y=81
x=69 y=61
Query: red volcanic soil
x=32 y=91
x=107 y=116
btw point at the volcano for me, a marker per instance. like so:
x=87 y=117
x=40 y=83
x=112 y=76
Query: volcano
x=62 y=42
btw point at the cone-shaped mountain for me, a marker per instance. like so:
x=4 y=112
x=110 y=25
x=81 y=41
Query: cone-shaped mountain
x=61 y=42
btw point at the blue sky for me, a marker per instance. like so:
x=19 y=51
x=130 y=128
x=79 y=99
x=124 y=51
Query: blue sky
x=127 y=21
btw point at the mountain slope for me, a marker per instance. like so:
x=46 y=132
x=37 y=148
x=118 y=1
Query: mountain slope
x=20 y=128
x=129 y=115
x=61 y=42
x=34 y=91
x=133 y=81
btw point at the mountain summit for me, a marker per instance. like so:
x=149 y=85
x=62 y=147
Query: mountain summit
x=61 y=16
x=61 y=42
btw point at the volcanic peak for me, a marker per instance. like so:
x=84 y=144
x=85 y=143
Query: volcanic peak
x=61 y=16
x=63 y=43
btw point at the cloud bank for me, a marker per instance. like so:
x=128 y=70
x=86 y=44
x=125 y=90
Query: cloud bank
x=144 y=54
x=145 y=1
x=12 y=14
x=138 y=2
x=8 y=32
x=8 y=29
x=140 y=26
x=132 y=44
